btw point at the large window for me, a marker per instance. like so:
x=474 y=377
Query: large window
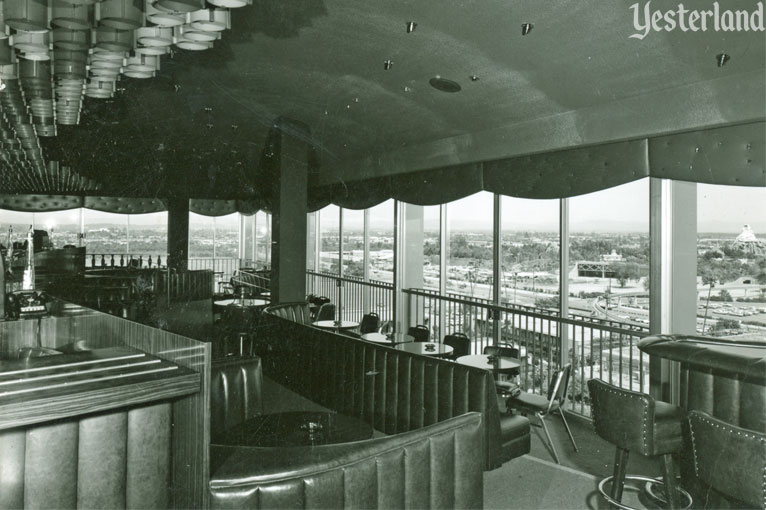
x=529 y=253
x=469 y=246
x=431 y=247
x=609 y=254
x=381 y=235
x=353 y=243
x=148 y=234
x=329 y=225
x=106 y=233
x=731 y=262
x=262 y=239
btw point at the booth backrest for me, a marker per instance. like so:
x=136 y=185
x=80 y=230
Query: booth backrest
x=108 y=460
x=439 y=466
x=296 y=312
x=236 y=389
x=392 y=390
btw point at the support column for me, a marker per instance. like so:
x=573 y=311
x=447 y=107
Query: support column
x=409 y=260
x=287 y=155
x=178 y=233
x=563 y=328
x=673 y=273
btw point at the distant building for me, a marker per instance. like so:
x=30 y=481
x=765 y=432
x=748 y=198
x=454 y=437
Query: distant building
x=748 y=243
x=600 y=269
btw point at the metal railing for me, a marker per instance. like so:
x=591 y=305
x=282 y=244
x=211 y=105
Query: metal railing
x=356 y=296
x=597 y=349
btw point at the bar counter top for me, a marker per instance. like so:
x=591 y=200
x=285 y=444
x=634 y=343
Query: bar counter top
x=35 y=390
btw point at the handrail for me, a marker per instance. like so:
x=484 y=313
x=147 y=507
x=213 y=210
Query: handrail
x=353 y=279
x=536 y=315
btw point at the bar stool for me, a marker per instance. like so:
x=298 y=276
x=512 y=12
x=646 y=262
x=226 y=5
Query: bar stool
x=635 y=421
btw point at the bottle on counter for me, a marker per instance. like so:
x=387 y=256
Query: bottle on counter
x=28 y=281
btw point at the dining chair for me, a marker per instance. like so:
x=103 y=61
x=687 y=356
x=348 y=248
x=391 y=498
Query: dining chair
x=419 y=332
x=460 y=344
x=504 y=352
x=542 y=407
x=370 y=323
x=326 y=312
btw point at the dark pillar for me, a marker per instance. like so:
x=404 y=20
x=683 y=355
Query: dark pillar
x=178 y=233
x=287 y=153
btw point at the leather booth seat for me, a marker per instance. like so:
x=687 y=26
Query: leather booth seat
x=392 y=390
x=236 y=392
x=296 y=312
x=439 y=466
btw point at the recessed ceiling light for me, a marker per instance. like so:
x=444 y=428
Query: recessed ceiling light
x=474 y=77
x=526 y=28
x=721 y=59
x=411 y=26
x=444 y=84
x=387 y=64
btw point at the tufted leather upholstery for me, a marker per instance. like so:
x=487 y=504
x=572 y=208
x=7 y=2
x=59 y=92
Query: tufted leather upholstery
x=236 y=392
x=37 y=203
x=730 y=459
x=295 y=312
x=108 y=460
x=392 y=390
x=732 y=155
x=635 y=421
x=439 y=466
x=125 y=205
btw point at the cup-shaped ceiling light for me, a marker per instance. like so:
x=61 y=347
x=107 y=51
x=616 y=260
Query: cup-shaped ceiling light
x=154 y=36
x=69 y=64
x=114 y=40
x=32 y=45
x=230 y=4
x=141 y=75
x=105 y=73
x=188 y=33
x=210 y=20
x=188 y=44
x=152 y=50
x=411 y=26
x=73 y=17
x=162 y=17
x=27 y=15
x=180 y=5
x=120 y=14
x=99 y=88
x=142 y=63
x=66 y=39
x=721 y=59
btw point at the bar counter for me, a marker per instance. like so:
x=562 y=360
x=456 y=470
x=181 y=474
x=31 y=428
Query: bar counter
x=724 y=378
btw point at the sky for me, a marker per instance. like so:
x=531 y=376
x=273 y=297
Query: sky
x=621 y=209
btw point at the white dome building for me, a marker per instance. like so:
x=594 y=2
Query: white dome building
x=748 y=243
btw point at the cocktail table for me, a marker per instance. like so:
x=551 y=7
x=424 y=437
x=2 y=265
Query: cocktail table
x=483 y=361
x=426 y=348
x=297 y=428
x=390 y=338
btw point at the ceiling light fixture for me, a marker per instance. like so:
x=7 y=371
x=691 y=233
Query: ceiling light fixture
x=444 y=84
x=387 y=64
x=474 y=77
x=526 y=28
x=721 y=59
x=411 y=26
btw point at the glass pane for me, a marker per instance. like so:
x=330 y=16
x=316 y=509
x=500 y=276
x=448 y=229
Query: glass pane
x=469 y=246
x=731 y=262
x=328 y=239
x=249 y=241
x=529 y=252
x=609 y=254
x=382 y=242
x=431 y=246
x=148 y=236
x=353 y=243
x=201 y=236
x=105 y=234
x=62 y=226
x=311 y=219
x=227 y=236
x=262 y=239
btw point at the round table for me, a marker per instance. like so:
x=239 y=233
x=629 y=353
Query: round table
x=390 y=338
x=426 y=348
x=335 y=325
x=482 y=361
x=241 y=303
x=238 y=313
x=297 y=428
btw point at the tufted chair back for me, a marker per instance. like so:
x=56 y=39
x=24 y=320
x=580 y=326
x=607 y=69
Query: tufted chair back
x=370 y=323
x=295 y=312
x=419 y=332
x=634 y=421
x=236 y=392
x=728 y=458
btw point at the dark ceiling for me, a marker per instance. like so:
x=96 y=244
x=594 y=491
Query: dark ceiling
x=199 y=127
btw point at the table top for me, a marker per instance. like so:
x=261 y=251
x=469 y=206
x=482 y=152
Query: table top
x=482 y=361
x=297 y=428
x=426 y=348
x=241 y=303
x=335 y=324
x=390 y=338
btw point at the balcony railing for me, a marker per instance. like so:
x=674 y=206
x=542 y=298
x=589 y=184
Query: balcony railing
x=356 y=296
x=597 y=349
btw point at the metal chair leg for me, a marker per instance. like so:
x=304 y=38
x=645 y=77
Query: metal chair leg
x=669 y=476
x=618 y=478
x=568 y=431
x=550 y=441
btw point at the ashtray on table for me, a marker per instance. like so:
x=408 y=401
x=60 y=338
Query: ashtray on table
x=430 y=347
